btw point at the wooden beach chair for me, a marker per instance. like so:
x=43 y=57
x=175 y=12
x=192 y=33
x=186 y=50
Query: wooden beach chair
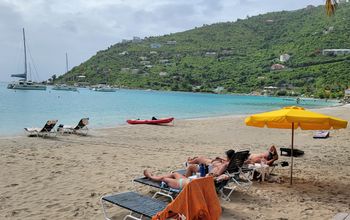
x=47 y=130
x=81 y=128
x=198 y=198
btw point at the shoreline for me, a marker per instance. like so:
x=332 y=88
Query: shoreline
x=14 y=135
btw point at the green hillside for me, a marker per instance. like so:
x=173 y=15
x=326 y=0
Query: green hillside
x=234 y=57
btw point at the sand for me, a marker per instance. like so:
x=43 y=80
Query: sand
x=64 y=177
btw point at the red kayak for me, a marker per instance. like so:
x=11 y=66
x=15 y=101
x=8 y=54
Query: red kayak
x=153 y=122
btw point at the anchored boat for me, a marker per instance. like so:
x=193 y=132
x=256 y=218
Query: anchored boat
x=23 y=83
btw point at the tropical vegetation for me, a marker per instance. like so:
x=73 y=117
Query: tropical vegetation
x=234 y=57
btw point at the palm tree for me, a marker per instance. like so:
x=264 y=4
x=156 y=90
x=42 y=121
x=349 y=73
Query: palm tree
x=331 y=5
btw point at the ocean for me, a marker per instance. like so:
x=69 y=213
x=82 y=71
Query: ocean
x=19 y=109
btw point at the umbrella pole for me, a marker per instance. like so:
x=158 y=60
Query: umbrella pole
x=291 y=167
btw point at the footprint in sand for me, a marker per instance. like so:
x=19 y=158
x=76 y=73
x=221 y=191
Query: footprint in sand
x=52 y=205
x=65 y=209
x=12 y=185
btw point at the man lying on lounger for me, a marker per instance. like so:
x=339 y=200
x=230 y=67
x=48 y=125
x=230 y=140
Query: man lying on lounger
x=270 y=157
x=211 y=164
x=178 y=181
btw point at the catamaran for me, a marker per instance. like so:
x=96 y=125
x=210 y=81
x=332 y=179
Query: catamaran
x=23 y=83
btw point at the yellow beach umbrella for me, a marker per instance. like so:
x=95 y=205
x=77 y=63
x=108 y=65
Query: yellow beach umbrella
x=294 y=117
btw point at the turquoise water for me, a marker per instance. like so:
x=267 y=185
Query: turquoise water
x=19 y=109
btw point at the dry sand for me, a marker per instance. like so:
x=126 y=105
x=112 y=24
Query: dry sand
x=64 y=177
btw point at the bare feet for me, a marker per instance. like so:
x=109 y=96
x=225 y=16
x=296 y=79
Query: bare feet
x=147 y=174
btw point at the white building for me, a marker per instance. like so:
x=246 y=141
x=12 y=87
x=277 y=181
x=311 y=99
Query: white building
x=171 y=42
x=155 y=45
x=163 y=74
x=284 y=57
x=210 y=54
x=145 y=62
x=347 y=92
x=335 y=51
x=136 y=40
x=123 y=53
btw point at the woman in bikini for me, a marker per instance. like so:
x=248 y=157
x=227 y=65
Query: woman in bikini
x=173 y=180
x=270 y=157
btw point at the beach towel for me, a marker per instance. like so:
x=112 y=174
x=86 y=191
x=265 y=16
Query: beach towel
x=197 y=201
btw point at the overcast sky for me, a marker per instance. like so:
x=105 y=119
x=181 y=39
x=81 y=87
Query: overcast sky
x=83 y=27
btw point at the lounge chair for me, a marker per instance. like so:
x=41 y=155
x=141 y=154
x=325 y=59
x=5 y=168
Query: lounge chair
x=81 y=128
x=321 y=135
x=237 y=174
x=47 y=130
x=200 y=192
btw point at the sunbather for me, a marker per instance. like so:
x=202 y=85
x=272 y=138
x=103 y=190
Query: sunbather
x=215 y=166
x=173 y=180
x=208 y=161
x=179 y=181
x=268 y=157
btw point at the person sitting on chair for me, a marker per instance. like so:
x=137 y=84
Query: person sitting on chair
x=270 y=157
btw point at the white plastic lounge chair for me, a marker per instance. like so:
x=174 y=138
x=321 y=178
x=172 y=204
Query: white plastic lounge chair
x=47 y=130
x=81 y=128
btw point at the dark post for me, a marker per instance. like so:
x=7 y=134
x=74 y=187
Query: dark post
x=291 y=167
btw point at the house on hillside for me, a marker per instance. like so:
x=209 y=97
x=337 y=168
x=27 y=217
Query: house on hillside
x=269 y=90
x=284 y=57
x=277 y=67
x=124 y=41
x=123 y=53
x=347 y=95
x=163 y=74
x=171 y=42
x=210 y=54
x=155 y=45
x=145 y=62
x=143 y=58
x=125 y=70
x=136 y=40
x=335 y=51
x=164 y=61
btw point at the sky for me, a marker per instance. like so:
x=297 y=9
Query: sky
x=80 y=28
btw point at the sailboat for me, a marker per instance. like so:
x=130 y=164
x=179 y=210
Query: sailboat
x=23 y=83
x=64 y=87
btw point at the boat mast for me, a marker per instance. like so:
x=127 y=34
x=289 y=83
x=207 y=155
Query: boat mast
x=66 y=63
x=25 y=56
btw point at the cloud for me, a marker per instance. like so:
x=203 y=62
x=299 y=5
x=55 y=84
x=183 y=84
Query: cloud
x=83 y=27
